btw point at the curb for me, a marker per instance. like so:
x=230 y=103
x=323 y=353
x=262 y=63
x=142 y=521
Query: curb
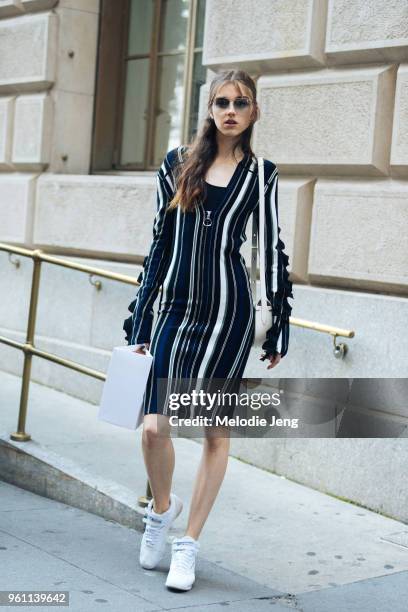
x=35 y=468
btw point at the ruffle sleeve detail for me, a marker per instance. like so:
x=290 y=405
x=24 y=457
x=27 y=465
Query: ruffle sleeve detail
x=279 y=287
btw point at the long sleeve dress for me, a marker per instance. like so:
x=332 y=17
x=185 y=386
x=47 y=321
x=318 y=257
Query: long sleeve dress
x=206 y=317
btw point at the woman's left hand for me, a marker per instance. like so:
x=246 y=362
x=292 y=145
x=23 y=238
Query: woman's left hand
x=273 y=360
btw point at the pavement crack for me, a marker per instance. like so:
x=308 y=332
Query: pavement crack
x=287 y=599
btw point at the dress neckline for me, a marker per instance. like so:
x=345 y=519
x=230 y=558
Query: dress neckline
x=216 y=186
x=226 y=191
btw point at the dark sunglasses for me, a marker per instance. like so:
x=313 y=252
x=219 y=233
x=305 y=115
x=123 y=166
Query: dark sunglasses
x=239 y=103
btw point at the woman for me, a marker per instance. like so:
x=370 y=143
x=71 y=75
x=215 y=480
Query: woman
x=205 y=327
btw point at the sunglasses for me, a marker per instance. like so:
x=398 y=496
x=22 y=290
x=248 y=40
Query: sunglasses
x=239 y=103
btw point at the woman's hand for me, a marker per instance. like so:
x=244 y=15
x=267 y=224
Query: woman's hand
x=273 y=359
x=140 y=348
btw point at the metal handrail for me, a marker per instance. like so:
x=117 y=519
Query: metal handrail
x=28 y=347
x=38 y=256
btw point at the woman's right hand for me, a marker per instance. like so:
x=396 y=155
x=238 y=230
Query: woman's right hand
x=140 y=348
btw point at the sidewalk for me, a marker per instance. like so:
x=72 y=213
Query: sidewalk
x=267 y=541
x=46 y=545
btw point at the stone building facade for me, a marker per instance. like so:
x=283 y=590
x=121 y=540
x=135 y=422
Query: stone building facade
x=332 y=80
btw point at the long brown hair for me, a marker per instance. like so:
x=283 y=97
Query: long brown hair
x=199 y=155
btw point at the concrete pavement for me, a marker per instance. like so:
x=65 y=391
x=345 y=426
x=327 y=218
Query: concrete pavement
x=48 y=546
x=268 y=540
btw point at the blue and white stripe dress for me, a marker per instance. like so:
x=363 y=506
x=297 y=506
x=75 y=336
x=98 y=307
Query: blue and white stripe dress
x=206 y=316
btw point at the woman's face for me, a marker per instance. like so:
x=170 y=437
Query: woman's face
x=241 y=116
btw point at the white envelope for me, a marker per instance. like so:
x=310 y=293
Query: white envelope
x=124 y=387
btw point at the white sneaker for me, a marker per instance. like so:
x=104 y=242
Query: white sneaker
x=182 y=568
x=153 y=544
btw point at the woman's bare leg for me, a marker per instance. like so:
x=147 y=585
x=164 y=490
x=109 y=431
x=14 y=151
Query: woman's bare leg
x=209 y=477
x=158 y=452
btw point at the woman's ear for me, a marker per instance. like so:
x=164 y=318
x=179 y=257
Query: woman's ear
x=257 y=113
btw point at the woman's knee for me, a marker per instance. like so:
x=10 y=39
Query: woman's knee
x=155 y=427
x=217 y=439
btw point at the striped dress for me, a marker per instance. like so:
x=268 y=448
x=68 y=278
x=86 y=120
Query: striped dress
x=206 y=316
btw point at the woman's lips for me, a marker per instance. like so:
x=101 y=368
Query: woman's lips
x=230 y=123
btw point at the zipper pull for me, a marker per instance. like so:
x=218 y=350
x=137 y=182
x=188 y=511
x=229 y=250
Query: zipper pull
x=207 y=221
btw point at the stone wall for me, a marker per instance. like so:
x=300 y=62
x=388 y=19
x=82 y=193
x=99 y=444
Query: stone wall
x=332 y=79
x=47 y=78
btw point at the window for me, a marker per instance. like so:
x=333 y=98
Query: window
x=148 y=81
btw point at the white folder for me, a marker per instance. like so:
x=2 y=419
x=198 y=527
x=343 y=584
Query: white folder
x=124 y=388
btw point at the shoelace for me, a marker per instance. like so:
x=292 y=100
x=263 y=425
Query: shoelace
x=183 y=555
x=153 y=527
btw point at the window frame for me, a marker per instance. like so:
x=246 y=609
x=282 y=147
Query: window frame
x=111 y=83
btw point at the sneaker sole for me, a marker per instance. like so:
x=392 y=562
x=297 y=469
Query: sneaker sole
x=178 y=588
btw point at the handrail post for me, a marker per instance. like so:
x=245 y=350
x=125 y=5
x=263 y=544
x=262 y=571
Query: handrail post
x=144 y=499
x=21 y=435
